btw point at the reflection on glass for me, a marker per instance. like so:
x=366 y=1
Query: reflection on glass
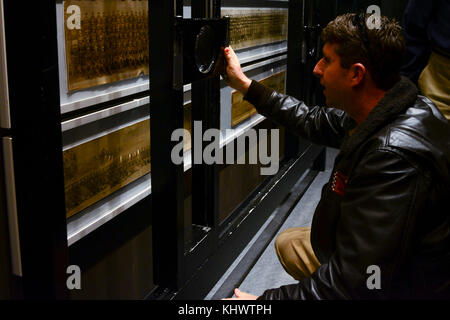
x=241 y=109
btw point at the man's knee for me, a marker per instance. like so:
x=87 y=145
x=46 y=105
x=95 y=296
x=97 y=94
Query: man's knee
x=292 y=251
x=281 y=240
x=287 y=240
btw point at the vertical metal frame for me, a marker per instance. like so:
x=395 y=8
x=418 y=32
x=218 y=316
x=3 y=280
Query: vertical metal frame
x=302 y=56
x=11 y=206
x=166 y=115
x=37 y=147
x=313 y=30
x=191 y=272
x=303 y=49
x=205 y=108
x=5 y=120
x=295 y=56
x=295 y=70
x=172 y=263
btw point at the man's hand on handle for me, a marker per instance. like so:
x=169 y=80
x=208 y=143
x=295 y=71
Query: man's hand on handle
x=233 y=75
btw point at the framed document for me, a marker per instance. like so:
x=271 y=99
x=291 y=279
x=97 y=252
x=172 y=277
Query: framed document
x=105 y=41
x=97 y=168
x=254 y=27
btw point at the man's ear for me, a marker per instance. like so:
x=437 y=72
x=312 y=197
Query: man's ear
x=357 y=73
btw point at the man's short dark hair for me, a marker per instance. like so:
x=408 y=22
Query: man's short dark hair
x=386 y=45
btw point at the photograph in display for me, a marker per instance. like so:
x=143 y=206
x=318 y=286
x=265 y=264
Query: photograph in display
x=256 y=27
x=96 y=169
x=241 y=109
x=105 y=41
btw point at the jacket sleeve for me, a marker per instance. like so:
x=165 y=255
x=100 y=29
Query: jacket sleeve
x=321 y=125
x=381 y=201
x=416 y=19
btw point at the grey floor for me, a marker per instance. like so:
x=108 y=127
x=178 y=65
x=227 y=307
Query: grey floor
x=268 y=273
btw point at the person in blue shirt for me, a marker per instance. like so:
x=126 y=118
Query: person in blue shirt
x=426 y=28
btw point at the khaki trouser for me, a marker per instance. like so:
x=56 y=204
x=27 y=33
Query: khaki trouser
x=434 y=82
x=293 y=247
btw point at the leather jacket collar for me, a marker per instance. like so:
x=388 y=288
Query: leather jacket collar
x=401 y=96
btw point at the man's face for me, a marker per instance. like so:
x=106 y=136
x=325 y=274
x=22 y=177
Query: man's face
x=333 y=78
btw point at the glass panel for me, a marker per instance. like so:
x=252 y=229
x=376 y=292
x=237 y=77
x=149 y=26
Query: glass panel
x=241 y=109
x=259 y=37
x=252 y=27
x=102 y=51
x=95 y=169
x=238 y=181
x=105 y=41
x=103 y=56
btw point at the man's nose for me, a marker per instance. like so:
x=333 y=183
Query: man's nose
x=318 y=70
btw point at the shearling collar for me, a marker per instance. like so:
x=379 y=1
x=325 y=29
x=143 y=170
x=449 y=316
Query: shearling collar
x=399 y=98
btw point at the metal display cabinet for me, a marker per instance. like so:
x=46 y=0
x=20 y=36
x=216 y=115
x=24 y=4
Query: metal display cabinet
x=44 y=121
x=105 y=124
x=199 y=241
x=166 y=233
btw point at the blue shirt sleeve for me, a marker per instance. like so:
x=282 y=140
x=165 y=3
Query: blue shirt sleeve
x=416 y=19
x=426 y=27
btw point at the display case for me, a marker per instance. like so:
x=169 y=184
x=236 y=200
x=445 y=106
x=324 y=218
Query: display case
x=103 y=81
x=217 y=207
x=104 y=102
x=102 y=50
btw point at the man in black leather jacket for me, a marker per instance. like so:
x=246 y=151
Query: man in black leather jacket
x=385 y=207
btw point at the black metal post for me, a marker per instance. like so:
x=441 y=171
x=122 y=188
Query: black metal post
x=166 y=115
x=37 y=147
x=295 y=78
x=295 y=72
x=205 y=108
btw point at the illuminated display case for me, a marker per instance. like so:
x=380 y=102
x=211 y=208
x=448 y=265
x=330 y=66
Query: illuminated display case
x=104 y=84
x=117 y=123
